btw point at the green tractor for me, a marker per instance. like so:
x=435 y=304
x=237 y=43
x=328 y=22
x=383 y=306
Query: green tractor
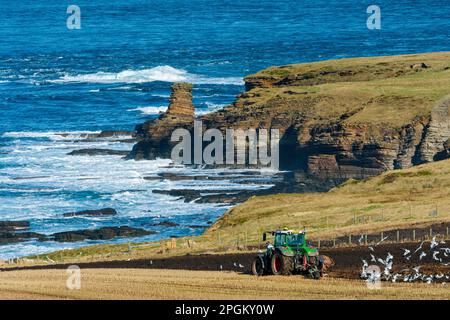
x=289 y=254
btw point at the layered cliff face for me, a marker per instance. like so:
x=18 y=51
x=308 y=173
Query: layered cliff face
x=154 y=135
x=342 y=118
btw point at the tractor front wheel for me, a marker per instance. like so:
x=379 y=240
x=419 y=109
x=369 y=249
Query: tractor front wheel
x=282 y=265
x=258 y=266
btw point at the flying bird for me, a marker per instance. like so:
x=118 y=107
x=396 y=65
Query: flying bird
x=433 y=243
x=435 y=253
x=423 y=254
x=406 y=252
x=361 y=239
x=364 y=269
x=381 y=240
x=419 y=247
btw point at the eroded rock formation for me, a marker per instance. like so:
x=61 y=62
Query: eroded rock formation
x=154 y=135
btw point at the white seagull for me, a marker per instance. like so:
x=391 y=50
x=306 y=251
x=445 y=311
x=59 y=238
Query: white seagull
x=423 y=254
x=419 y=247
x=433 y=243
x=435 y=253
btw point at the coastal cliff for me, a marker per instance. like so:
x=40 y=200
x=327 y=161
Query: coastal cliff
x=348 y=118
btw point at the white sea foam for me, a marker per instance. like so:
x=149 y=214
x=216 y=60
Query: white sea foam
x=211 y=108
x=54 y=135
x=149 y=110
x=160 y=73
x=62 y=183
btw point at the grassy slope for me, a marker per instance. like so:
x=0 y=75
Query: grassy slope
x=179 y=284
x=394 y=199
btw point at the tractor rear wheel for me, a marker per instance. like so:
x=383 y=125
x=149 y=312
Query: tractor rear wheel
x=282 y=265
x=258 y=266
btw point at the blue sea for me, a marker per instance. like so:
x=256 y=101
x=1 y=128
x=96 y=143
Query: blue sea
x=115 y=72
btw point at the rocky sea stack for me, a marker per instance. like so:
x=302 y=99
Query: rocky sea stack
x=154 y=135
x=348 y=118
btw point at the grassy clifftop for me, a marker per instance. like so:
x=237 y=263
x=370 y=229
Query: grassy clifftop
x=378 y=90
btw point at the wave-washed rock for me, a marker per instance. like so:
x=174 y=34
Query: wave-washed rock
x=98 y=152
x=92 y=213
x=105 y=233
x=15 y=232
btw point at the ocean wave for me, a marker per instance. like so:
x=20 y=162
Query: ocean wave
x=150 y=110
x=54 y=135
x=160 y=73
x=211 y=107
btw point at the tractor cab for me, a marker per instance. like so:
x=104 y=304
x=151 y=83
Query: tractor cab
x=289 y=238
x=290 y=242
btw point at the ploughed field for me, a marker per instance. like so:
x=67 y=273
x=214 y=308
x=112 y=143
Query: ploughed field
x=348 y=261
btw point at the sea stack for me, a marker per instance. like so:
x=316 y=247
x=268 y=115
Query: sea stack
x=181 y=101
x=154 y=135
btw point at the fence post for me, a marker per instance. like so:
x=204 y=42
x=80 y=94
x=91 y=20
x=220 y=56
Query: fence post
x=319 y=244
x=431 y=232
x=334 y=240
x=349 y=239
x=447 y=232
x=365 y=239
x=398 y=236
x=414 y=235
x=382 y=236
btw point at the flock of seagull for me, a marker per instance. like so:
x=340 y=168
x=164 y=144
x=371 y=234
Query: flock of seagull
x=436 y=250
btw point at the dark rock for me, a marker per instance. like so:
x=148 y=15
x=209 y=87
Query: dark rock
x=105 y=233
x=15 y=237
x=14 y=225
x=419 y=66
x=198 y=227
x=165 y=224
x=92 y=213
x=111 y=133
x=98 y=152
